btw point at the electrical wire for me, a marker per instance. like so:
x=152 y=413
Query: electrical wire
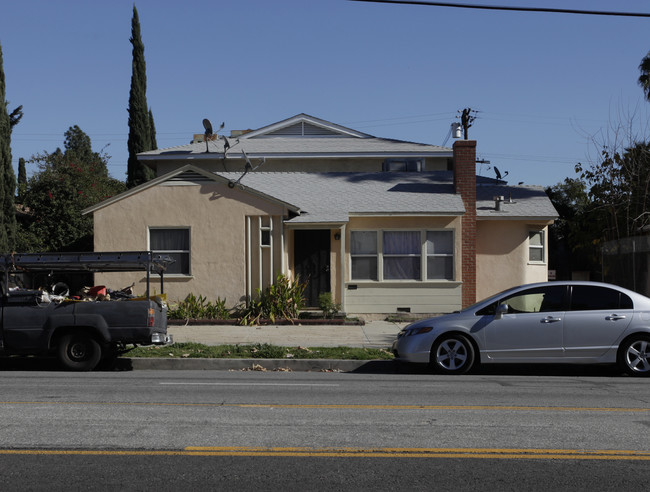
x=516 y=9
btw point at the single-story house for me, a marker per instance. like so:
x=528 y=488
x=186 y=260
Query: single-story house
x=386 y=226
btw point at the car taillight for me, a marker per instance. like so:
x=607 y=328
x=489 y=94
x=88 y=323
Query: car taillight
x=152 y=317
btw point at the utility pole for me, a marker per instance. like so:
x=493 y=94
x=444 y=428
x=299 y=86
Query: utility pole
x=466 y=120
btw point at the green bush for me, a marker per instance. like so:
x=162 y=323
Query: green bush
x=281 y=300
x=327 y=305
x=199 y=308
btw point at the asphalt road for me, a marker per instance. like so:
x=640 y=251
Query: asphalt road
x=142 y=430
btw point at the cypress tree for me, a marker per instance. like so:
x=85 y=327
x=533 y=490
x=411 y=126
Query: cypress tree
x=152 y=128
x=7 y=176
x=22 y=179
x=140 y=120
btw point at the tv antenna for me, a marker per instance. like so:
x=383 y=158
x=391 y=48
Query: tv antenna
x=248 y=167
x=467 y=117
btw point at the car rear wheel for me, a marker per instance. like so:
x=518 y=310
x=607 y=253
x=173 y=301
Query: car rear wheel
x=78 y=351
x=453 y=354
x=634 y=356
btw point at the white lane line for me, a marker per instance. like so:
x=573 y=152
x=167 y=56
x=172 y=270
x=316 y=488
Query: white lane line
x=247 y=384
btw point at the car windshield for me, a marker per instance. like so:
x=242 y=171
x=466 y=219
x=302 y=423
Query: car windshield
x=483 y=301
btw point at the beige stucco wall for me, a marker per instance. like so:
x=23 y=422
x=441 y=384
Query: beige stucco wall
x=502 y=256
x=216 y=216
x=415 y=296
x=234 y=164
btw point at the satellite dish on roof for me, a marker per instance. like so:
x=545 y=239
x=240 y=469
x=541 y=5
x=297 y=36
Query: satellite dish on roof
x=208 y=126
x=498 y=173
x=208 y=133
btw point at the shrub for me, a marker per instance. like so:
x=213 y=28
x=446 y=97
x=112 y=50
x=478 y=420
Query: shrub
x=199 y=308
x=327 y=305
x=281 y=300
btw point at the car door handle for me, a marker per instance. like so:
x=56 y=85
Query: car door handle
x=551 y=319
x=614 y=317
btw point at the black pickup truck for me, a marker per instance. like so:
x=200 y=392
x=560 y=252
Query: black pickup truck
x=82 y=331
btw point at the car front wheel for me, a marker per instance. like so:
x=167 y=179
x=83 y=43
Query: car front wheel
x=453 y=354
x=634 y=356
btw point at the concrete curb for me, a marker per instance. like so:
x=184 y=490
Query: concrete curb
x=303 y=365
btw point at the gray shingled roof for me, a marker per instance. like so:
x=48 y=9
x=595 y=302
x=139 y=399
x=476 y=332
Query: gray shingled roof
x=519 y=201
x=332 y=140
x=333 y=197
x=299 y=146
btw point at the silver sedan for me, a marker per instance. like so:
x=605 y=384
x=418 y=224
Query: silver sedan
x=551 y=322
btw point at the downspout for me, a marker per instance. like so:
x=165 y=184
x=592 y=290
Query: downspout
x=342 y=271
x=260 y=264
x=249 y=260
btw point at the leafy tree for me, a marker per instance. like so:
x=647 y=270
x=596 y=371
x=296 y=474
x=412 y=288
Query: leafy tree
x=140 y=118
x=575 y=237
x=67 y=182
x=619 y=186
x=7 y=176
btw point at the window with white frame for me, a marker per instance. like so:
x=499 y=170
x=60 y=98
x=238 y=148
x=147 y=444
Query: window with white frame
x=440 y=255
x=402 y=255
x=536 y=253
x=364 y=255
x=174 y=242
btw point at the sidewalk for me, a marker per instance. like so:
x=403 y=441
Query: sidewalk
x=374 y=334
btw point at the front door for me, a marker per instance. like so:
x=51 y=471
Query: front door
x=312 y=262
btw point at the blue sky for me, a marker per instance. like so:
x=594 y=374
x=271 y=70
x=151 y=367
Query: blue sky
x=546 y=85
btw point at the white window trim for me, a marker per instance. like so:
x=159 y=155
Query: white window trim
x=189 y=251
x=423 y=257
x=542 y=246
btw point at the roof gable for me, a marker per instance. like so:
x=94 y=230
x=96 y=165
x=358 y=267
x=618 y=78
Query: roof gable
x=303 y=125
x=186 y=174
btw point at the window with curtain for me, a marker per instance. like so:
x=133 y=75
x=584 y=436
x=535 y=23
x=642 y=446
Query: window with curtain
x=175 y=243
x=536 y=247
x=440 y=255
x=363 y=253
x=402 y=255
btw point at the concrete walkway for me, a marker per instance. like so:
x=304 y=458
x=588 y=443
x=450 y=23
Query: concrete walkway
x=374 y=334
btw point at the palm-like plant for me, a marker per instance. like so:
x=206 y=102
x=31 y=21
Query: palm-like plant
x=644 y=78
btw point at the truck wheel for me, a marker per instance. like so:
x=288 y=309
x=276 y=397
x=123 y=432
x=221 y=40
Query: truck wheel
x=78 y=351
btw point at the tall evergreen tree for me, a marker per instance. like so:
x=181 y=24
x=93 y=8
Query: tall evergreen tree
x=7 y=176
x=152 y=127
x=22 y=179
x=140 y=118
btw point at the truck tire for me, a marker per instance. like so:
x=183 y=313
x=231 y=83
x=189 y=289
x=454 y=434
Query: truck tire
x=79 y=351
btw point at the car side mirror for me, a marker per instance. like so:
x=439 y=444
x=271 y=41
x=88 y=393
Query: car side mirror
x=501 y=310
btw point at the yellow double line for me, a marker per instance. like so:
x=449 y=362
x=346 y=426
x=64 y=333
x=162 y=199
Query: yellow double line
x=464 y=453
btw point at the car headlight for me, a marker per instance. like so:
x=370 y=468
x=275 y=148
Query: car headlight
x=414 y=331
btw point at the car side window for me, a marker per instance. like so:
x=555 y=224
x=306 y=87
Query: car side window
x=592 y=298
x=537 y=300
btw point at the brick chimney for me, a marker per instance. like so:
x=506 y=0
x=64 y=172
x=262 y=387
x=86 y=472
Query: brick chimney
x=465 y=186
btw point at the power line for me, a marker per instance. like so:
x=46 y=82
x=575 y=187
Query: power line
x=516 y=9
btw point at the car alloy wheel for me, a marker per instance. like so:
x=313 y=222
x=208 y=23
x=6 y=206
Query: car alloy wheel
x=634 y=356
x=453 y=355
